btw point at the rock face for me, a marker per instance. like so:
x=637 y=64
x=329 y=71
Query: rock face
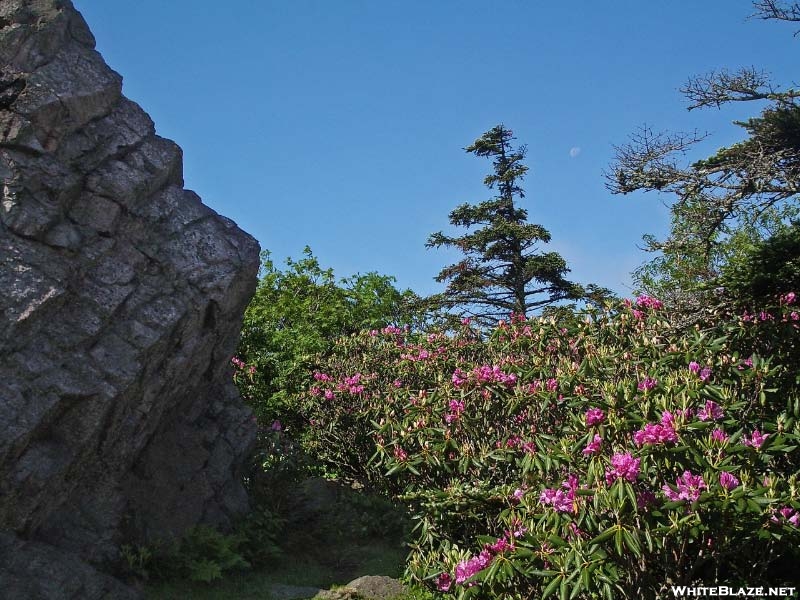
x=121 y=297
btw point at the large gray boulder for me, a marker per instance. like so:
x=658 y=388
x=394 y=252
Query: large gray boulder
x=121 y=298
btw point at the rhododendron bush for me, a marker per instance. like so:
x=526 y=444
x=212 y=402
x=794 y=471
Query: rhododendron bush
x=598 y=455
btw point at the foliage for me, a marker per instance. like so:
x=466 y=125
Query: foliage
x=689 y=281
x=259 y=534
x=503 y=270
x=602 y=456
x=204 y=554
x=725 y=203
x=770 y=268
x=294 y=315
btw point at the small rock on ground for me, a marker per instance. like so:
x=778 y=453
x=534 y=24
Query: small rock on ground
x=371 y=587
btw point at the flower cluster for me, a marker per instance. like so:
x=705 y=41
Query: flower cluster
x=657 y=433
x=647 y=384
x=469 y=567
x=623 y=466
x=728 y=480
x=561 y=500
x=484 y=374
x=787 y=514
x=351 y=384
x=755 y=440
x=594 y=416
x=711 y=411
x=649 y=302
x=688 y=487
x=455 y=408
x=719 y=436
x=594 y=446
x=466 y=569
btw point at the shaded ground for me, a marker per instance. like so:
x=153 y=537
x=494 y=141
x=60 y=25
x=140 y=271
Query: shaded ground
x=332 y=536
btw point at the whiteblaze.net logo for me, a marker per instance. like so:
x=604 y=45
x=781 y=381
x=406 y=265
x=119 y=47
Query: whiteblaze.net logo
x=724 y=591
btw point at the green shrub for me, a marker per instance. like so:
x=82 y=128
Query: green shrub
x=607 y=455
x=294 y=316
x=205 y=554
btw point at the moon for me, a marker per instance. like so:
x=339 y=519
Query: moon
x=574 y=151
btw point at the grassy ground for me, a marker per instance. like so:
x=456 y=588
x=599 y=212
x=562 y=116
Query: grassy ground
x=333 y=536
x=346 y=564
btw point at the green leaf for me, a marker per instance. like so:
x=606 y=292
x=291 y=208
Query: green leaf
x=552 y=586
x=605 y=535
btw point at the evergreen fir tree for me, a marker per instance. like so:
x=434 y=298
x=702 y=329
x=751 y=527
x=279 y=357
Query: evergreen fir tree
x=504 y=271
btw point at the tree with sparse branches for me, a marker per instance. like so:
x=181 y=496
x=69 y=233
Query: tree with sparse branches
x=779 y=11
x=728 y=202
x=503 y=271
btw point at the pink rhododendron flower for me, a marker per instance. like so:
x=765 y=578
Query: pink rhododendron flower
x=649 y=302
x=517 y=529
x=552 y=385
x=593 y=446
x=705 y=374
x=329 y=395
x=655 y=433
x=574 y=532
x=710 y=412
x=560 y=500
x=646 y=384
x=748 y=362
x=276 y=426
x=321 y=376
x=624 y=466
x=756 y=440
x=494 y=374
x=728 y=480
x=444 y=582
x=400 y=454
x=694 y=367
x=501 y=545
x=689 y=487
x=594 y=416
x=456 y=407
x=719 y=436
x=788 y=514
x=467 y=568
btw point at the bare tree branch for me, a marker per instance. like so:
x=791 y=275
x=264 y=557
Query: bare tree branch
x=780 y=11
x=719 y=87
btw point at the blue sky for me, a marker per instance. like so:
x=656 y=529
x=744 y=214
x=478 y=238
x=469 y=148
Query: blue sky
x=340 y=124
